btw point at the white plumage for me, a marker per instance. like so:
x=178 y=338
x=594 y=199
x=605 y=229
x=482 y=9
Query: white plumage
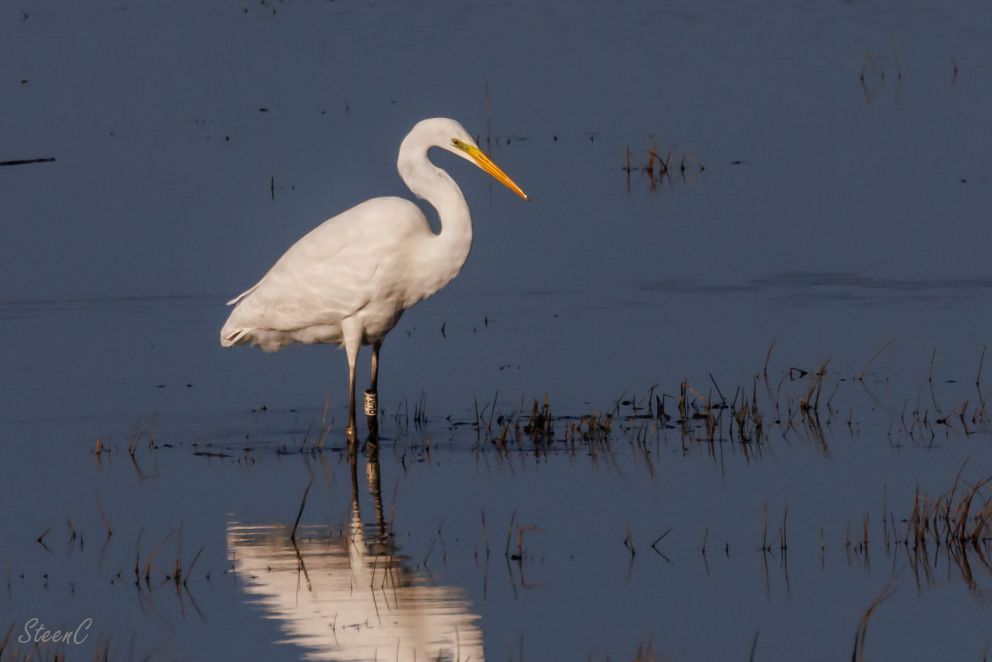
x=348 y=280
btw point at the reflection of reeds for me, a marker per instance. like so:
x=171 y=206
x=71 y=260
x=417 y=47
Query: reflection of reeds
x=645 y=652
x=948 y=519
x=6 y=640
x=872 y=77
x=41 y=539
x=959 y=522
x=795 y=401
x=754 y=646
x=420 y=411
x=299 y=514
x=862 y=631
x=659 y=166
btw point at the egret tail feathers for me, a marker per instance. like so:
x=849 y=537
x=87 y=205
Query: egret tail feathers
x=233 y=337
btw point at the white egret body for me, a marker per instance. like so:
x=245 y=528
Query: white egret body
x=348 y=281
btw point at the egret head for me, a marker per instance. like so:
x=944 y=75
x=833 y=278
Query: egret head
x=452 y=136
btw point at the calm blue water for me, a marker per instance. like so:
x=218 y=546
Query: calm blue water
x=843 y=204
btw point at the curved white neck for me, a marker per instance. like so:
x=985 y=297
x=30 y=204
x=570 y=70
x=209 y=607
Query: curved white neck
x=446 y=252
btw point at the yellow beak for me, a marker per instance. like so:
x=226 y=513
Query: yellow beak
x=487 y=164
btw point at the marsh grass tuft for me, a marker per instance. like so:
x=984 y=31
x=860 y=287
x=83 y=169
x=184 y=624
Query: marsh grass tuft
x=660 y=166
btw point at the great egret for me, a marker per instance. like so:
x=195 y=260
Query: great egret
x=348 y=280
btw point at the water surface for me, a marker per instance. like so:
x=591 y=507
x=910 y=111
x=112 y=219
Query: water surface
x=839 y=219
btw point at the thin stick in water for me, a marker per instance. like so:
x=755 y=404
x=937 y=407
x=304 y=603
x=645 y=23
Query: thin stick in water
x=303 y=503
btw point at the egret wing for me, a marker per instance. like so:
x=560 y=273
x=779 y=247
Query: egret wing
x=327 y=275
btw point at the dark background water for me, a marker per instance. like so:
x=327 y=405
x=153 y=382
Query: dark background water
x=844 y=203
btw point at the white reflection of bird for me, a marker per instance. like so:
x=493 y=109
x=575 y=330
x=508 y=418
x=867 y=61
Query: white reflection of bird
x=350 y=598
x=349 y=279
x=353 y=595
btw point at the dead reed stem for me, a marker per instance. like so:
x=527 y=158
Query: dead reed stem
x=303 y=503
x=859 y=636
